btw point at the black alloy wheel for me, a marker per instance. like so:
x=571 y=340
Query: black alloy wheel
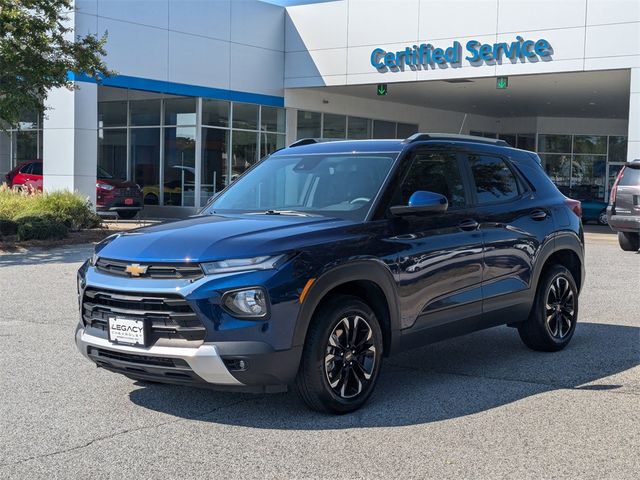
x=554 y=314
x=342 y=356
x=560 y=308
x=351 y=356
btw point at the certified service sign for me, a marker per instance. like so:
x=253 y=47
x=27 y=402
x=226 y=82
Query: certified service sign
x=473 y=52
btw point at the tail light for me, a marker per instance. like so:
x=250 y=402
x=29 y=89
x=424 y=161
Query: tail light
x=574 y=205
x=614 y=189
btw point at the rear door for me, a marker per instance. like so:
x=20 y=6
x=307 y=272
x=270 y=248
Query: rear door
x=440 y=263
x=514 y=225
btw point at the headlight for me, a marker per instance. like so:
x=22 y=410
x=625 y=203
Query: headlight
x=247 y=303
x=241 y=264
x=105 y=186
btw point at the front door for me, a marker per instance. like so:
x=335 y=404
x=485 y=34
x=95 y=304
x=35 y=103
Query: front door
x=440 y=262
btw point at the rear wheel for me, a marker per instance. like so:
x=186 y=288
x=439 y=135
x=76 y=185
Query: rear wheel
x=342 y=356
x=554 y=314
x=629 y=241
x=127 y=214
x=602 y=218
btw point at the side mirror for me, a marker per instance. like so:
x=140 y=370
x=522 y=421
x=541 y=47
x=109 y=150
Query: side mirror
x=422 y=202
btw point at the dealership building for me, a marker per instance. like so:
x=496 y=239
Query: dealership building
x=204 y=88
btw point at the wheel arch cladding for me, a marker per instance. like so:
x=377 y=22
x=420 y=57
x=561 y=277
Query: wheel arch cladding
x=370 y=281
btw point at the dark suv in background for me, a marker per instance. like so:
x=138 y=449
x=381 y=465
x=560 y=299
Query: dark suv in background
x=324 y=258
x=623 y=212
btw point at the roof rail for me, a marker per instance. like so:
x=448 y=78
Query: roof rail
x=310 y=141
x=421 y=137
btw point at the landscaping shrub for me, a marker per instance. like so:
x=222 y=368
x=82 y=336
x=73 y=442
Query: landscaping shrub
x=8 y=227
x=49 y=210
x=40 y=226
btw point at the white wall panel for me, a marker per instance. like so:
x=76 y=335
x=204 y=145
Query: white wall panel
x=136 y=50
x=613 y=40
x=316 y=26
x=256 y=70
x=89 y=7
x=86 y=24
x=323 y=62
x=521 y=15
x=373 y=22
x=153 y=13
x=198 y=61
x=612 y=11
x=208 y=18
x=257 y=23
x=457 y=18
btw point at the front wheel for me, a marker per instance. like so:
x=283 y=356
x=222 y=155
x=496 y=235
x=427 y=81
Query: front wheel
x=342 y=356
x=629 y=241
x=554 y=314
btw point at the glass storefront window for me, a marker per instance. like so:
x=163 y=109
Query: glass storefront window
x=27 y=146
x=405 y=130
x=112 y=152
x=617 y=149
x=590 y=144
x=526 y=141
x=309 y=124
x=509 y=138
x=179 y=166
x=244 y=152
x=382 y=129
x=245 y=116
x=213 y=171
x=270 y=142
x=215 y=113
x=335 y=126
x=145 y=112
x=359 y=128
x=587 y=177
x=273 y=119
x=558 y=167
x=112 y=114
x=180 y=111
x=28 y=120
x=145 y=162
x=554 y=143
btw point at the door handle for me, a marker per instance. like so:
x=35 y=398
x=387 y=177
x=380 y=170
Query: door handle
x=469 y=225
x=538 y=215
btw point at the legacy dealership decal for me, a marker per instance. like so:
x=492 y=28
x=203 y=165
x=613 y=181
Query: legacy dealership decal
x=475 y=52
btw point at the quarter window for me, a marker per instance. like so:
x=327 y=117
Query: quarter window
x=494 y=180
x=435 y=172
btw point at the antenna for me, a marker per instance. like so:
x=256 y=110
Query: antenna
x=463 y=120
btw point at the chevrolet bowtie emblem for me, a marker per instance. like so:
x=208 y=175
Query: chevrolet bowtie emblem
x=135 y=269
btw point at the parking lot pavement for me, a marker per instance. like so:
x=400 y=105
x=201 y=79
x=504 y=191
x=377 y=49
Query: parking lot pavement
x=480 y=406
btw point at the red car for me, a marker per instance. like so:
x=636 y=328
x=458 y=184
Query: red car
x=112 y=195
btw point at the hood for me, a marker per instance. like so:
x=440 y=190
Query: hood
x=220 y=237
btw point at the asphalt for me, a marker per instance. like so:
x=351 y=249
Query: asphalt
x=480 y=406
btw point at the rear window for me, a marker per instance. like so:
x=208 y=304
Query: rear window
x=631 y=177
x=494 y=180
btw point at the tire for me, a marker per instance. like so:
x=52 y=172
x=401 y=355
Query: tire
x=127 y=214
x=151 y=199
x=629 y=241
x=551 y=329
x=328 y=356
x=602 y=218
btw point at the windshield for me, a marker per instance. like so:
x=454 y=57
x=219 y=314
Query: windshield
x=102 y=173
x=332 y=185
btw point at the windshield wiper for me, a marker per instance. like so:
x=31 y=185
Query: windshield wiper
x=285 y=212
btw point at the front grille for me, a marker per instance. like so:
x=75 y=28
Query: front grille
x=132 y=358
x=167 y=316
x=159 y=271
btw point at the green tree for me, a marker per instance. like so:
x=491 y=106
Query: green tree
x=37 y=50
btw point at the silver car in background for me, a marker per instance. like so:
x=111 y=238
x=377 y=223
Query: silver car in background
x=623 y=212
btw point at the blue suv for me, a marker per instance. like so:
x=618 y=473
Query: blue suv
x=324 y=258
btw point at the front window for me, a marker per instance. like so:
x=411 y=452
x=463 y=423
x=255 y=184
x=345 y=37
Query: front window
x=332 y=185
